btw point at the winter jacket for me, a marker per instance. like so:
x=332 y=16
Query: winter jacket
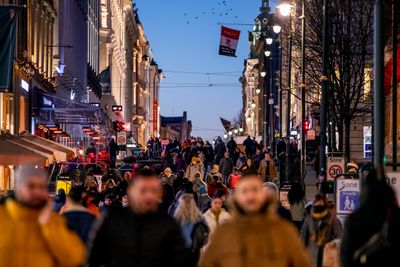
x=81 y=221
x=233 y=180
x=240 y=162
x=123 y=238
x=262 y=240
x=267 y=169
x=197 y=185
x=226 y=166
x=213 y=187
x=211 y=219
x=192 y=169
x=327 y=229
x=25 y=242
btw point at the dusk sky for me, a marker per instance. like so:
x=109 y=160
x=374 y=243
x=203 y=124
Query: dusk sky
x=184 y=36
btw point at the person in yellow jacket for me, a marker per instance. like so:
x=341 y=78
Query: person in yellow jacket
x=31 y=234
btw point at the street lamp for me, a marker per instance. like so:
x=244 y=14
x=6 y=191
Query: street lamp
x=241 y=130
x=269 y=40
x=267 y=53
x=277 y=28
x=263 y=73
x=253 y=105
x=249 y=119
x=236 y=131
x=285 y=8
x=258 y=91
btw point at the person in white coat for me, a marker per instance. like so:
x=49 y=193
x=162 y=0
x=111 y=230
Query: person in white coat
x=216 y=215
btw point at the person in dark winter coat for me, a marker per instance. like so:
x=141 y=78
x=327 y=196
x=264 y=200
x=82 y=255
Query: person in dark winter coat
x=134 y=236
x=219 y=150
x=231 y=146
x=113 y=150
x=249 y=147
x=78 y=217
x=226 y=167
x=378 y=216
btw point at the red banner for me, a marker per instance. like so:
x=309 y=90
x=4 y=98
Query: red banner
x=229 y=42
x=155 y=116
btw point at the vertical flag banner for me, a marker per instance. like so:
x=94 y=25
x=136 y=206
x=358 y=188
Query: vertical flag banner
x=8 y=22
x=229 y=42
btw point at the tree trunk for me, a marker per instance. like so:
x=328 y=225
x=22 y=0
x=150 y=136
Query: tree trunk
x=340 y=133
x=347 y=125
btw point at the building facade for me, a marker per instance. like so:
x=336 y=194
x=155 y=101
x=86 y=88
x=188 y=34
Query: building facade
x=176 y=127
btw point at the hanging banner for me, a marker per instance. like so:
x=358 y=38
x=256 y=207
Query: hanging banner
x=155 y=116
x=8 y=22
x=229 y=42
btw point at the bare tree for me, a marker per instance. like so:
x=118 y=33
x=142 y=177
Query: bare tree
x=350 y=59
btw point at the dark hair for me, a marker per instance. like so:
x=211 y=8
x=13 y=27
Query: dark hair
x=296 y=193
x=75 y=194
x=145 y=172
x=219 y=194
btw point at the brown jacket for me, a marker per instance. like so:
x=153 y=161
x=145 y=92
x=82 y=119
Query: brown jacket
x=262 y=169
x=262 y=240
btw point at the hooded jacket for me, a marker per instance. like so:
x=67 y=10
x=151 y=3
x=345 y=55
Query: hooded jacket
x=262 y=240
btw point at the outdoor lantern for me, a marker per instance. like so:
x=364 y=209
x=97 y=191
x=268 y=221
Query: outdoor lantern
x=241 y=130
x=236 y=131
x=263 y=73
x=258 y=90
x=225 y=136
x=267 y=53
x=253 y=105
x=230 y=133
x=269 y=40
x=284 y=8
x=248 y=119
x=277 y=28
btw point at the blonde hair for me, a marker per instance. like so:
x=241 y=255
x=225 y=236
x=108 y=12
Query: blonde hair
x=187 y=211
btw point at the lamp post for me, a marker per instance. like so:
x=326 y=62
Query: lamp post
x=303 y=94
x=323 y=107
x=285 y=10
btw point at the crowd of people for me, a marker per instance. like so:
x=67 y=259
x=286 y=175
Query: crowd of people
x=208 y=206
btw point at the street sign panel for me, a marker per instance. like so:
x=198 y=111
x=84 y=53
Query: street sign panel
x=347 y=195
x=121 y=138
x=335 y=166
x=393 y=179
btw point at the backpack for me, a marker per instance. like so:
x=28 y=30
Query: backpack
x=200 y=235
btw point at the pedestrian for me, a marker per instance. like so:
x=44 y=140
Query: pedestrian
x=78 y=217
x=59 y=200
x=215 y=185
x=241 y=160
x=226 y=167
x=167 y=195
x=248 y=145
x=108 y=201
x=267 y=168
x=249 y=167
x=198 y=184
x=193 y=225
x=320 y=228
x=139 y=235
x=180 y=163
x=113 y=150
x=91 y=150
x=371 y=234
x=231 y=146
x=169 y=175
x=216 y=215
x=214 y=171
x=255 y=236
x=195 y=166
x=120 y=190
x=219 y=149
x=234 y=178
x=272 y=191
x=32 y=234
x=297 y=201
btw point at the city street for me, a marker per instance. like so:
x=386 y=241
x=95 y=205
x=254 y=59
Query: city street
x=223 y=133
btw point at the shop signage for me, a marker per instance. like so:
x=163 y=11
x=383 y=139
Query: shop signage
x=367 y=142
x=229 y=42
x=335 y=166
x=347 y=195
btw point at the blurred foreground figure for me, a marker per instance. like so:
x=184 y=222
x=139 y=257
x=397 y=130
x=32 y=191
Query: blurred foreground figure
x=256 y=236
x=139 y=235
x=32 y=235
x=372 y=234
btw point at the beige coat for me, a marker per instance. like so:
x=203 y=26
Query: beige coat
x=262 y=240
x=262 y=170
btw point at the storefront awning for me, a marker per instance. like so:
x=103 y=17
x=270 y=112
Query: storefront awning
x=12 y=154
x=61 y=152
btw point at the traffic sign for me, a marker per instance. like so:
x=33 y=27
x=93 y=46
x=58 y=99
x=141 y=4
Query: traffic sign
x=121 y=138
x=347 y=195
x=335 y=166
